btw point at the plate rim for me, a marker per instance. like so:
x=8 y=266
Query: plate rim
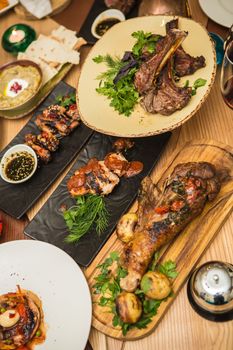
x=163 y=130
x=220 y=22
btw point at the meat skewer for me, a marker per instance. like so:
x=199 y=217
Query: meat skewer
x=189 y=187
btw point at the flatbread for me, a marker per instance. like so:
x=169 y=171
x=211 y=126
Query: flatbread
x=65 y=36
x=50 y=50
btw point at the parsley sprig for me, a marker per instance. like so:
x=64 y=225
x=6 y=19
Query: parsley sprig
x=144 y=40
x=66 y=101
x=107 y=285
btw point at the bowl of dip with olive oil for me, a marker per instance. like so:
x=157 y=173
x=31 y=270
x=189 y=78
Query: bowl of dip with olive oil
x=18 y=164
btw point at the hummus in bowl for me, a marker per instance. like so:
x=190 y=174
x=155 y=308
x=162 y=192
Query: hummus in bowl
x=19 y=82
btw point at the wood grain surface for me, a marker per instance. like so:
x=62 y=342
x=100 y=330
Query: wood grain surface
x=181 y=327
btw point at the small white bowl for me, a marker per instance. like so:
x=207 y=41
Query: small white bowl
x=108 y=14
x=17 y=149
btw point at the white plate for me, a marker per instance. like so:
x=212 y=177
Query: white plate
x=59 y=283
x=12 y=3
x=220 y=11
x=95 y=110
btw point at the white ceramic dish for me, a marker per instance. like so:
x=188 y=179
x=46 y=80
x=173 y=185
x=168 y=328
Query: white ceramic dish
x=95 y=109
x=12 y=3
x=9 y=153
x=220 y=11
x=106 y=15
x=60 y=284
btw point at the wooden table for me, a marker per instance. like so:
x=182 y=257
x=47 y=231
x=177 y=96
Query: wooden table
x=181 y=328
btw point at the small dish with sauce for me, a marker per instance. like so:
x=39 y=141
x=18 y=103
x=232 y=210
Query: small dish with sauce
x=18 y=164
x=106 y=20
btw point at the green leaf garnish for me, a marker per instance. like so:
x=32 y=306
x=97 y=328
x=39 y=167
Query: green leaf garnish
x=168 y=268
x=66 y=101
x=90 y=211
x=198 y=83
x=144 y=40
x=108 y=285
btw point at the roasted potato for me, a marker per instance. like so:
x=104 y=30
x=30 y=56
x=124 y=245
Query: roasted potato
x=125 y=227
x=128 y=307
x=155 y=285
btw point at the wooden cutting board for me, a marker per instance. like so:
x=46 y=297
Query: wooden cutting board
x=188 y=247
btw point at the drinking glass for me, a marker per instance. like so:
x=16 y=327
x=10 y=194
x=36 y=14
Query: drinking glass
x=226 y=80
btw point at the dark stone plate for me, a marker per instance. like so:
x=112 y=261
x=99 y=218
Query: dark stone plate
x=49 y=225
x=15 y=200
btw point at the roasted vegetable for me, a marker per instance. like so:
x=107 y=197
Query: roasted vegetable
x=128 y=307
x=125 y=227
x=155 y=285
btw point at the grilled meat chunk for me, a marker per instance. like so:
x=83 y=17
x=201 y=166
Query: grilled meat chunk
x=100 y=177
x=48 y=140
x=24 y=319
x=43 y=154
x=123 y=144
x=184 y=196
x=184 y=64
x=72 y=112
x=58 y=123
x=94 y=178
x=167 y=97
x=149 y=70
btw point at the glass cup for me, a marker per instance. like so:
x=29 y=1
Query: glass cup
x=226 y=80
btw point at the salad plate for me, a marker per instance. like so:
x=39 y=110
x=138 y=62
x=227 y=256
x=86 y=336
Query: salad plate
x=95 y=109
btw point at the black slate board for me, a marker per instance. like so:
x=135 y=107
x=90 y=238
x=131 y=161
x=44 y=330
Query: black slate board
x=15 y=200
x=98 y=7
x=49 y=226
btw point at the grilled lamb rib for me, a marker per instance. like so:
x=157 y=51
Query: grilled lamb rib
x=166 y=97
x=149 y=70
x=184 y=64
x=188 y=188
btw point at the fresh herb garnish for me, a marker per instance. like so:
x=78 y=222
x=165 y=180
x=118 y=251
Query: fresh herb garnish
x=144 y=40
x=89 y=211
x=66 y=101
x=198 y=83
x=168 y=268
x=108 y=286
x=114 y=64
x=121 y=91
x=123 y=94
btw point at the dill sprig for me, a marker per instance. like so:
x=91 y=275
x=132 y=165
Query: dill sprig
x=90 y=211
x=114 y=64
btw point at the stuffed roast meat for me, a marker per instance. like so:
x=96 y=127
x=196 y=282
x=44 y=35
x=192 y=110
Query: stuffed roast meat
x=161 y=216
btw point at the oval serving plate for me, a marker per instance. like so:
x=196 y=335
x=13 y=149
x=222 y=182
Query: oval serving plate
x=95 y=109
